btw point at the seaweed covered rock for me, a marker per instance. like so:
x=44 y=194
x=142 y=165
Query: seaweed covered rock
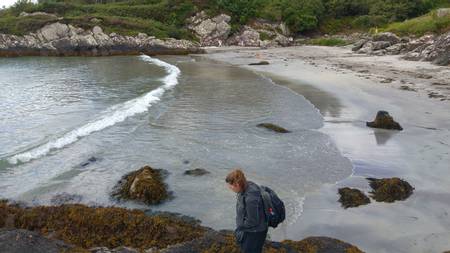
x=390 y=189
x=352 y=197
x=111 y=227
x=273 y=127
x=385 y=121
x=196 y=172
x=145 y=185
x=223 y=241
x=320 y=244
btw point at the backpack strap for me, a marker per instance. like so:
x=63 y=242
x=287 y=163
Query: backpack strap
x=266 y=202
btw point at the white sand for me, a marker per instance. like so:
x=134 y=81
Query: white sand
x=331 y=79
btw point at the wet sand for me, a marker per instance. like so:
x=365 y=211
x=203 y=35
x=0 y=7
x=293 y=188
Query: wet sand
x=348 y=90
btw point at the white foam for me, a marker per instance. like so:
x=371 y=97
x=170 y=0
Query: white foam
x=110 y=117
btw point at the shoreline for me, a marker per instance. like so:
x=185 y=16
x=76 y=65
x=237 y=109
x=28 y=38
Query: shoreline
x=347 y=98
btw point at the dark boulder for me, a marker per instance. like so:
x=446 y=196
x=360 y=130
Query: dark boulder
x=196 y=172
x=273 y=127
x=352 y=197
x=24 y=241
x=390 y=189
x=145 y=185
x=385 y=121
x=259 y=63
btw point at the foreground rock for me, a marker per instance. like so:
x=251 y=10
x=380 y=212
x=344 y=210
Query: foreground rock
x=145 y=185
x=196 y=172
x=273 y=127
x=390 y=189
x=426 y=48
x=223 y=241
x=352 y=197
x=109 y=229
x=22 y=241
x=59 y=39
x=385 y=121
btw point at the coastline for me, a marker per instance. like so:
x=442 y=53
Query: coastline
x=348 y=91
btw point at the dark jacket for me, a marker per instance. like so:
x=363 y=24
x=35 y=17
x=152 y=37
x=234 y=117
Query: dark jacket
x=250 y=215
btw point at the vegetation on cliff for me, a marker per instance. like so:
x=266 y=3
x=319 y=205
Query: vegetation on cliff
x=166 y=18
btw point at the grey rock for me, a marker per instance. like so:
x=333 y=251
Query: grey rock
x=386 y=36
x=442 y=12
x=24 y=241
x=196 y=172
x=66 y=40
x=211 y=31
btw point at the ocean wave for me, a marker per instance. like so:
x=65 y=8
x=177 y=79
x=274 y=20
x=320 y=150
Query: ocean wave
x=110 y=117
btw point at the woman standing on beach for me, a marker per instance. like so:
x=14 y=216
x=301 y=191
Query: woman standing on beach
x=251 y=224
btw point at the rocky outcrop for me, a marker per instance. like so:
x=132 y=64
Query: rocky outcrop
x=273 y=127
x=144 y=185
x=436 y=50
x=385 y=121
x=390 y=189
x=426 y=48
x=352 y=197
x=58 y=39
x=216 y=31
x=210 y=31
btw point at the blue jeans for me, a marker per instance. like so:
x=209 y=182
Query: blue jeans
x=253 y=242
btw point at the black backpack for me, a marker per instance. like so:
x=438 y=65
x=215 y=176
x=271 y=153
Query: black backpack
x=273 y=206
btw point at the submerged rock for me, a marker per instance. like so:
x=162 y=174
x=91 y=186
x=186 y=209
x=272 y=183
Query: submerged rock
x=390 y=189
x=352 y=197
x=196 y=172
x=65 y=198
x=91 y=159
x=273 y=127
x=385 y=121
x=145 y=185
x=260 y=63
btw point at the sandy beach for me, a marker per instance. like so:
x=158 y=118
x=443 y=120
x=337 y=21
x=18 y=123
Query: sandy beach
x=348 y=89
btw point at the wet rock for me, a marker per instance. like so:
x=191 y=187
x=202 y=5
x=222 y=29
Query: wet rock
x=390 y=189
x=145 y=185
x=21 y=241
x=260 y=63
x=385 y=121
x=273 y=127
x=352 y=197
x=65 y=198
x=196 y=172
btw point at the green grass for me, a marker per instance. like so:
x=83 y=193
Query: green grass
x=419 y=26
x=330 y=42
